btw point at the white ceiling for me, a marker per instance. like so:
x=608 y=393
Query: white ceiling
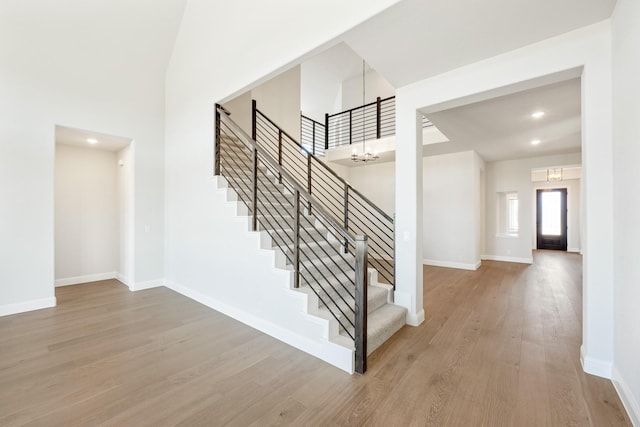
x=78 y=138
x=417 y=39
x=502 y=128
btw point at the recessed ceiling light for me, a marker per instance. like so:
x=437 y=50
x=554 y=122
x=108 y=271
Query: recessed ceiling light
x=92 y=140
x=537 y=114
x=535 y=141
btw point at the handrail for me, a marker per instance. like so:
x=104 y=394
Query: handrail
x=222 y=107
x=359 y=107
x=328 y=169
x=310 y=119
x=317 y=205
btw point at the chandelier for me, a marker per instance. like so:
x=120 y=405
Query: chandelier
x=554 y=174
x=366 y=156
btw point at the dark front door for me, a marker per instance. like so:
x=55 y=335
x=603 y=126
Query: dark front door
x=552 y=219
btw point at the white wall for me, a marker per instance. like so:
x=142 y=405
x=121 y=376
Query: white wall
x=126 y=214
x=451 y=204
x=375 y=86
x=322 y=77
x=480 y=205
x=376 y=181
x=515 y=176
x=98 y=67
x=240 y=109
x=319 y=94
x=279 y=99
x=451 y=194
x=585 y=52
x=86 y=214
x=626 y=152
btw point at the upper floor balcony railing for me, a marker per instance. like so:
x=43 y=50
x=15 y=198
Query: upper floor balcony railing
x=364 y=123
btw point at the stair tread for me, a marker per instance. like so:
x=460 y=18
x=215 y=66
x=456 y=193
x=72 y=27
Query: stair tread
x=383 y=323
x=380 y=317
x=373 y=293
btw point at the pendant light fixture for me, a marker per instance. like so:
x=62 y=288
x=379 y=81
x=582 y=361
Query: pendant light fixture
x=365 y=156
x=554 y=174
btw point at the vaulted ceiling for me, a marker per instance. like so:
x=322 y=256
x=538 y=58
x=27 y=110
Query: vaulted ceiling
x=118 y=37
x=417 y=39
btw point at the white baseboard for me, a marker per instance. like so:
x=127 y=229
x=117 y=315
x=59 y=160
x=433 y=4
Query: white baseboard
x=415 y=320
x=598 y=367
x=335 y=354
x=450 y=264
x=575 y=250
x=404 y=299
x=84 y=279
x=630 y=402
x=507 y=259
x=124 y=279
x=140 y=286
x=21 y=307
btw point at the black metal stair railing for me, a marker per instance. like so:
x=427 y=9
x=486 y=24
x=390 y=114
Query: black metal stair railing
x=346 y=205
x=312 y=135
x=312 y=241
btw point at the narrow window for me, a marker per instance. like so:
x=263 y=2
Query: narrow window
x=512 y=213
x=507 y=214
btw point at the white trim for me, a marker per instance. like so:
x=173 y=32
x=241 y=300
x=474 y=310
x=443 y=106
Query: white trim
x=629 y=401
x=21 y=307
x=85 y=279
x=335 y=354
x=140 y=286
x=124 y=279
x=451 y=264
x=404 y=299
x=575 y=250
x=507 y=259
x=415 y=319
x=600 y=368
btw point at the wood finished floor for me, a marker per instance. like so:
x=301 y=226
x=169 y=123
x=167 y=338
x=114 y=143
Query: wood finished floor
x=500 y=347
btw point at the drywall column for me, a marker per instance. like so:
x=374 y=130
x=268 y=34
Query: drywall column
x=409 y=211
x=126 y=203
x=597 y=190
x=626 y=152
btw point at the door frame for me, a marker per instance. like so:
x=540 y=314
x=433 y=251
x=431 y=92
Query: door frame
x=563 y=214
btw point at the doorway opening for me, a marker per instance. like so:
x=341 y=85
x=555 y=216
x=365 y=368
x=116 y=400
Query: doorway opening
x=551 y=219
x=93 y=207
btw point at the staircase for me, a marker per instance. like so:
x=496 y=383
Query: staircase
x=326 y=261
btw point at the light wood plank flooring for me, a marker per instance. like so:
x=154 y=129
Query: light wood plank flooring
x=500 y=347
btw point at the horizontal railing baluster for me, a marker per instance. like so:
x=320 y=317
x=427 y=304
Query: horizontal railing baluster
x=376 y=117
